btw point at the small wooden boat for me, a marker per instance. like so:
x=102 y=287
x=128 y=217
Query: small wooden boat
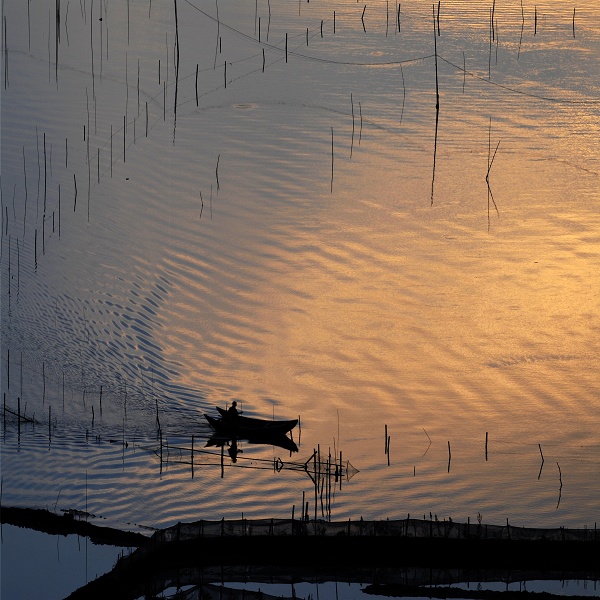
x=241 y=426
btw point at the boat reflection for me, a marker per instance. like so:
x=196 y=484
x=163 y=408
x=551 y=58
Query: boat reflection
x=231 y=442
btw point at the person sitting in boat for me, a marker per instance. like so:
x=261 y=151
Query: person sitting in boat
x=232 y=411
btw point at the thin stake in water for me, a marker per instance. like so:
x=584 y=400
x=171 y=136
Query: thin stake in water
x=45 y=174
x=486 y=445
x=218 y=34
x=25 y=180
x=352 y=141
x=332 y=160
x=522 y=28
x=491 y=35
x=387 y=16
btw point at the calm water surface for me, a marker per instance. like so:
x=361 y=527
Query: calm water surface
x=204 y=252
x=55 y=565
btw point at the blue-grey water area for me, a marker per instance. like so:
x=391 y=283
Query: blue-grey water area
x=39 y=565
x=213 y=201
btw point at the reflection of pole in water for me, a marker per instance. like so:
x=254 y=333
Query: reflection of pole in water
x=487 y=177
x=317 y=467
x=561 y=483
x=222 y=461
x=437 y=104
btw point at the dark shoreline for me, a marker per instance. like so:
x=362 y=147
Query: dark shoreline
x=163 y=563
x=66 y=524
x=444 y=542
x=425 y=552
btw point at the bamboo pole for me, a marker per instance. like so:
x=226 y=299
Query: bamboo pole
x=331 y=187
x=352 y=108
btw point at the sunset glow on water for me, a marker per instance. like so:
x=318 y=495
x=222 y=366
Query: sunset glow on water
x=283 y=239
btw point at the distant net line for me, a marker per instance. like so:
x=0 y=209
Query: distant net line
x=306 y=56
x=517 y=91
x=392 y=63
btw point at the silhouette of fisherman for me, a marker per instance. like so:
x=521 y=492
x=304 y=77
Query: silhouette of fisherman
x=232 y=411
